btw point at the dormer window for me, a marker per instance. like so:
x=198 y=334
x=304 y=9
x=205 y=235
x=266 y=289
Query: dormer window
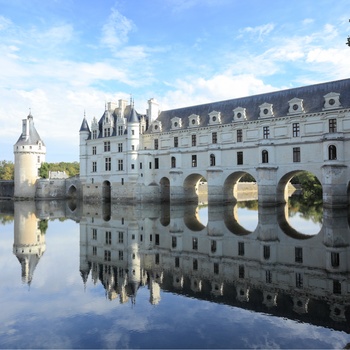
x=331 y=101
x=157 y=126
x=214 y=118
x=239 y=114
x=266 y=110
x=296 y=106
x=193 y=120
x=176 y=123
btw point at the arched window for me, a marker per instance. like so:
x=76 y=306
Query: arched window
x=332 y=152
x=212 y=160
x=173 y=162
x=265 y=156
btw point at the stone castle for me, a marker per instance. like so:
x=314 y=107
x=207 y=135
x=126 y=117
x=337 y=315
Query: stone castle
x=126 y=156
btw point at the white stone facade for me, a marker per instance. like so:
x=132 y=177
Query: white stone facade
x=164 y=155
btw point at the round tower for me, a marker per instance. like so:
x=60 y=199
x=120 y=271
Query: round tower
x=84 y=134
x=30 y=152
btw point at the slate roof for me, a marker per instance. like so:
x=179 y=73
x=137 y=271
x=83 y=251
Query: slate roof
x=84 y=126
x=33 y=137
x=312 y=96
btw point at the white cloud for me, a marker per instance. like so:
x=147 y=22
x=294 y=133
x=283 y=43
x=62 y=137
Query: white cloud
x=258 y=31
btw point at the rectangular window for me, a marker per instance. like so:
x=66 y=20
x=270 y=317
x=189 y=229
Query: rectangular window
x=156 y=144
x=94 y=250
x=176 y=141
x=94 y=233
x=132 y=147
x=335 y=259
x=107 y=146
x=213 y=246
x=241 y=248
x=299 y=280
x=239 y=158
x=332 y=125
x=241 y=271
x=216 y=268
x=120 y=130
x=157 y=259
x=296 y=129
x=296 y=154
x=177 y=261
x=194 y=243
x=150 y=165
x=120 y=164
x=156 y=239
x=107 y=132
x=140 y=165
x=94 y=134
x=194 y=140
x=173 y=242
x=195 y=264
x=298 y=254
x=336 y=287
x=268 y=276
x=266 y=132
x=107 y=255
x=108 y=164
x=194 y=161
x=214 y=137
x=239 y=135
x=94 y=150
x=120 y=255
x=94 y=167
x=120 y=147
x=156 y=163
x=120 y=237
x=108 y=237
x=266 y=252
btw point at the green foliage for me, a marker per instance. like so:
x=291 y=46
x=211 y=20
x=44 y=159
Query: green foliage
x=7 y=170
x=309 y=209
x=43 y=225
x=71 y=169
x=247 y=178
x=311 y=187
x=5 y=219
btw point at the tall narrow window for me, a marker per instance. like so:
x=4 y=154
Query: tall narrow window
x=194 y=161
x=266 y=252
x=107 y=146
x=94 y=167
x=194 y=140
x=299 y=280
x=120 y=164
x=266 y=132
x=241 y=271
x=268 y=276
x=93 y=150
x=239 y=135
x=173 y=242
x=107 y=255
x=296 y=154
x=332 y=152
x=296 y=129
x=239 y=158
x=195 y=264
x=332 y=123
x=241 y=248
x=213 y=246
x=177 y=261
x=298 y=254
x=212 y=160
x=176 y=141
x=156 y=163
x=216 y=268
x=94 y=134
x=108 y=164
x=120 y=147
x=120 y=237
x=265 y=156
x=108 y=237
x=156 y=144
x=214 y=137
x=173 y=162
x=194 y=243
x=335 y=259
x=120 y=130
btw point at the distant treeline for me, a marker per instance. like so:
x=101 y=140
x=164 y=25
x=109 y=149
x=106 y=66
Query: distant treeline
x=7 y=169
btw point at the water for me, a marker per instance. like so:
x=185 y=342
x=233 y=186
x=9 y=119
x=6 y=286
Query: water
x=274 y=278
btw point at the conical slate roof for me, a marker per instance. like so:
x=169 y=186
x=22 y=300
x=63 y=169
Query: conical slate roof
x=33 y=136
x=84 y=126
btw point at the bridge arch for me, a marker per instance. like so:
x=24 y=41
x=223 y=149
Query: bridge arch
x=230 y=185
x=191 y=187
x=72 y=192
x=106 y=191
x=164 y=184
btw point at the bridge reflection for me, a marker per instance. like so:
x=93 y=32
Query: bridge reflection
x=274 y=268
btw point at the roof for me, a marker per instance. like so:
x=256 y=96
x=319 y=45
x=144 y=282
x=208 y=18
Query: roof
x=84 y=126
x=33 y=136
x=312 y=96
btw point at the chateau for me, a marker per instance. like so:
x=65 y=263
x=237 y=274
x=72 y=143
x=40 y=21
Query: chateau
x=165 y=155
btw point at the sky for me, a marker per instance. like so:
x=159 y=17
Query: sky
x=61 y=59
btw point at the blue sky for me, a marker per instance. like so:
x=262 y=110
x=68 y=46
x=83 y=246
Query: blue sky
x=60 y=58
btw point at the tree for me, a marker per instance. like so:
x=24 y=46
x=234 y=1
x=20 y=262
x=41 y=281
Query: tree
x=7 y=170
x=71 y=169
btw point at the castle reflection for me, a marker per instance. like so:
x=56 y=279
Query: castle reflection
x=274 y=268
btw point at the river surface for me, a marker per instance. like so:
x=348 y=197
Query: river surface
x=82 y=276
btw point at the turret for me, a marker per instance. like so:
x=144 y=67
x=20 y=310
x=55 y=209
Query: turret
x=133 y=141
x=84 y=134
x=29 y=152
